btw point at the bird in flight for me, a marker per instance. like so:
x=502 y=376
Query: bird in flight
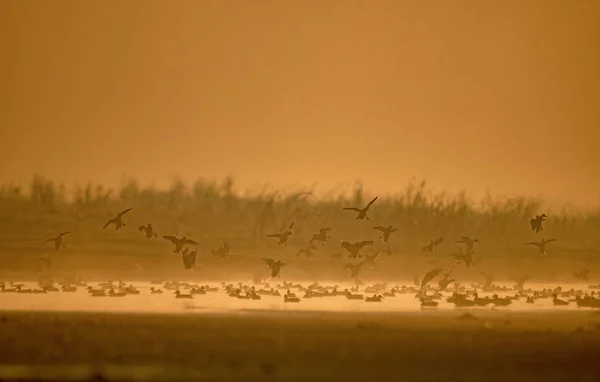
x=274 y=266
x=541 y=245
x=430 y=276
x=386 y=232
x=321 y=236
x=536 y=223
x=468 y=242
x=370 y=259
x=432 y=246
x=149 y=230
x=117 y=220
x=354 y=248
x=189 y=259
x=284 y=236
x=179 y=243
x=445 y=281
x=57 y=240
x=222 y=252
x=362 y=212
x=308 y=251
x=464 y=257
x=353 y=268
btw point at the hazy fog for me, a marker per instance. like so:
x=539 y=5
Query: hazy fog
x=466 y=94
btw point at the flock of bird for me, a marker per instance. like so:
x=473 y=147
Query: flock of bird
x=460 y=295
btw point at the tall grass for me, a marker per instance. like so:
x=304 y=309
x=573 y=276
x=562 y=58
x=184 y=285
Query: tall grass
x=219 y=210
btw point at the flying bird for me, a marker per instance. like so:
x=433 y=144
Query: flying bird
x=321 y=236
x=386 y=232
x=354 y=248
x=536 y=223
x=541 y=245
x=284 y=236
x=362 y=212
x=117 y=220
x=353 y=268
x=189 y=259
x=57 y=241
x=445 y=281
x=308 y=251
x=468 y=242
x=464 y=257
x=149 y=230
x=275 y=266
x=370 y=259
x=179 y=243
x=430 y=276
x=432 y=246
x=222 y=252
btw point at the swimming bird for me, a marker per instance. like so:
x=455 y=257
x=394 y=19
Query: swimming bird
x=428 y=303
x=308 y=251
x=155 y=291
x=362 y=212
x=353 y=268
x=57 y=240
x=189 y=259
x=386 y=232
x=541 y=245
x=275 y=266
x=117 y=220
x=222 y=252
x=536 y=223
x=179 y=243
x=354 y=248
x=321 y=236
x=468 y=242
x=374 y=298
x=178 y=294
x=149 y=230
x=287 y=298
x=432 y=246
x=558 y=302
x=284 y=236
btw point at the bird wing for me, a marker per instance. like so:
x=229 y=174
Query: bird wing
x=533 y=224
x=125 y=211
x=365 y=243
x=47 y=241
x=346 y=245
x=270 y=262
x=65 y=233
x=549 y=240
x=379 y=228
x=533 y=243
x=188 y=241
x=172 y=239
x=430 y=276
x=141 y=228
x=438 y=241
x=392 y=229
x=324 y=229
x=291 y=226
x=351 y=209
x=374 y=256
x=107 y=224
x=372 y=201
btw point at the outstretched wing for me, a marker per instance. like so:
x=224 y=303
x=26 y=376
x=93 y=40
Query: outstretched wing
x=430 y=276
x=270 y=262
x=533 y=223
x=549 y=240
x=379 y=228
x=172 y=239
x=65 y=233
x=365 y=243
x=438 y=241
x=47 y=241
x=352 y=209
x=291 y=226
x=107 y=224
x=533 y=243
x=125 y=211
x=374 y=256
x=372 y=201
x=188 y=241
x=141 y=228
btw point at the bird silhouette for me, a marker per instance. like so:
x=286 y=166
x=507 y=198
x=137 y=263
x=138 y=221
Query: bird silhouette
x=432 y=246
x=354 y=248
x=386 y=232
x=445 y=281
x=362 y=212
x=221 y=252
x=284 y=236
x=464 y=257
x=308 y=251
x=353 y=268
x=57 y=241
x=179 y=243
x=189 y=259
x=149 y=231
x=274 y=266
x=430 y=276
x=321 y=236
x=468 y=242
x=370 y=259
x=117 y=220
x=541 y=245
x=536 y=223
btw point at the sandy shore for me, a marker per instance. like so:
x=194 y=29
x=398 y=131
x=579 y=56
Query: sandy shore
x=288 y=346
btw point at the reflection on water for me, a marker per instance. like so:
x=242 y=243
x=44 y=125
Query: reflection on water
x=145 y=302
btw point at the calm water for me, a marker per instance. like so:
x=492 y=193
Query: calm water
x=146 y=302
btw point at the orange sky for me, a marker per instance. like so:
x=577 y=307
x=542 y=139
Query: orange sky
x=466 y=94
